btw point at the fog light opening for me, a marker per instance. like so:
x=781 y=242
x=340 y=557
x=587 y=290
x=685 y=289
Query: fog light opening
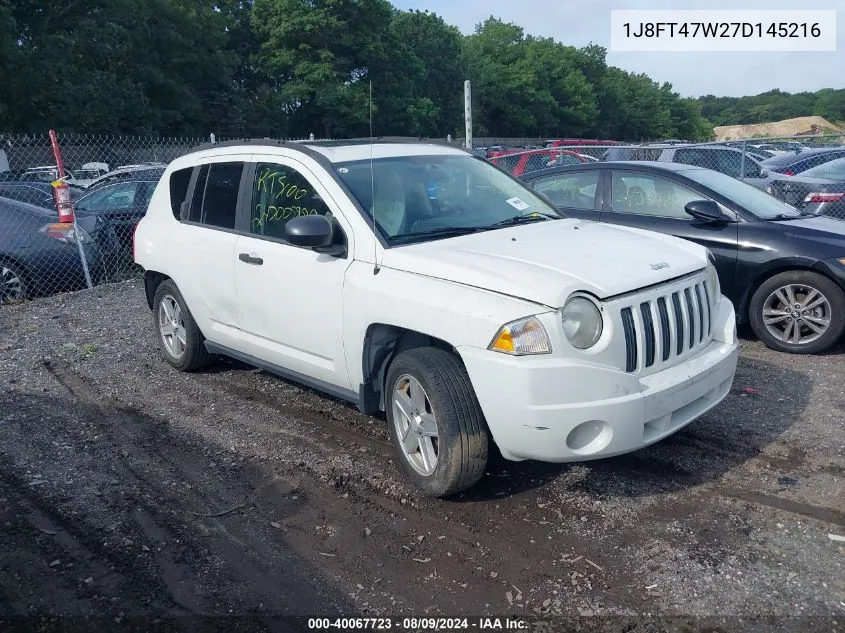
x=589 y=437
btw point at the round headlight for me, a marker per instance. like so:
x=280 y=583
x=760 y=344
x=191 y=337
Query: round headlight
x=582 y=322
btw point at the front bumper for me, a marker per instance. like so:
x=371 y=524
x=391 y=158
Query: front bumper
x=564 y=410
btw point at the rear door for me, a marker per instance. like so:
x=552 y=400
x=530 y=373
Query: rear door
x=206 y=245
x=653 y=202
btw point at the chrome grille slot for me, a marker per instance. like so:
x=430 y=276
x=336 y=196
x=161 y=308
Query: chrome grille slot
x=630 y=340
x=679 y=322
x=662 y=327
x=700 y=314
x=665 y=336
x=690 y=317
x=648 y=329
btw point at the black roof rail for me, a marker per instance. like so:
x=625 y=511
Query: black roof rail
x=303 y=145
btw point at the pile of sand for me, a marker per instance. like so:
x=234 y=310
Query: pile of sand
x=788 y=127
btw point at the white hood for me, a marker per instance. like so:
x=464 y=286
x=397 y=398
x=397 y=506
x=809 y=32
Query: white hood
x=547 y=261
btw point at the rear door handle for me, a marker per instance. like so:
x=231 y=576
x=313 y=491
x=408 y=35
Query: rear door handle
x=249 y=259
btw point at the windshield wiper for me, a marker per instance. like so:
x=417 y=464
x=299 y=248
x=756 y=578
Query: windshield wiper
x=523 y=219
x=442 y=231
x=452 y=231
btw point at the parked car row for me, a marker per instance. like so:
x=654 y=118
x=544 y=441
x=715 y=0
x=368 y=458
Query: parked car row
x=88 y=176
x=39 y=256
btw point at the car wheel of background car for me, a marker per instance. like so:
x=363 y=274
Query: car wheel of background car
x=435 y=421
x=181 y=340
x=12 y=286
x=799 y=312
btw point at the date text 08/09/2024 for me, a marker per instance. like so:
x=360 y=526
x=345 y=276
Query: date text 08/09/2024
x=417 y=624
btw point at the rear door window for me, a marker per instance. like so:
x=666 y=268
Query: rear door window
x=180 y=180
x=215 y=200
x=575 y=190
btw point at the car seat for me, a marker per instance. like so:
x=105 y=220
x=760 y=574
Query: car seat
x=388 y=207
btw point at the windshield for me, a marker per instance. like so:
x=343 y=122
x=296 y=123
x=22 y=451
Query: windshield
x=425 y=197
x=754 y=200
x=833 y=170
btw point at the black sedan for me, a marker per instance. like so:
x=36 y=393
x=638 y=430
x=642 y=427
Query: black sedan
x=38 y=256
x=784 y=271
x=121 y=203
x=38 y=193
x=793 y=163
x=819 y=190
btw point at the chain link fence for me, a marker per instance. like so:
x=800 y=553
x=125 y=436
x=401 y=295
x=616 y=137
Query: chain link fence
x=807 y=172
x=111 y=180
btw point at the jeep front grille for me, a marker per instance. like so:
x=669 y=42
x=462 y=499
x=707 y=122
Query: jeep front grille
x=661 y=327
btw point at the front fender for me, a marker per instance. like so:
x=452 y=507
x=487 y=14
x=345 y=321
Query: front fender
x=457 y=314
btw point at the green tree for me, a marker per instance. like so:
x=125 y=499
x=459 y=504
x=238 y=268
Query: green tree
x=419 y=86
x=317 y=55
x=118 y=66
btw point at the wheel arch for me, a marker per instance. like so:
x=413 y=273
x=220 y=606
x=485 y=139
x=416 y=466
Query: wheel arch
x=775 y=268
x=382 y=342
x=152 y=280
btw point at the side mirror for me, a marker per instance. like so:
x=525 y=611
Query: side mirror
x=764 y=174
x=705 y=211
x=309 y=231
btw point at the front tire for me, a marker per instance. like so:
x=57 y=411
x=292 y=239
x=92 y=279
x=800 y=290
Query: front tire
x=182 y=343
x=435 y=421
x=798 y=312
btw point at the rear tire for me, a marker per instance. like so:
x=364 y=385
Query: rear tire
x=435 y=421
x=798 y=312
x=182 y=343
x=13 y=288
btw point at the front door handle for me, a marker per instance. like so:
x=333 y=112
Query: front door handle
x=246 y=258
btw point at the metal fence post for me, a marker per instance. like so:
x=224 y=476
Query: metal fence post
x=742 y=160
x=60 y=173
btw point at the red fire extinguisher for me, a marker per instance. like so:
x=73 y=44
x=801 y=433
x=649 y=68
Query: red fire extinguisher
x=61 y=191
x=64 y=205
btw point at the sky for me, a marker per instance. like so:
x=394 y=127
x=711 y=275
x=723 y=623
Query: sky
x=579 y=22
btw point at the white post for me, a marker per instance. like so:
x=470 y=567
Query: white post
x=468 y=112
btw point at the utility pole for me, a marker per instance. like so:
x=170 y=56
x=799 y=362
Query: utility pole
x=468 y=112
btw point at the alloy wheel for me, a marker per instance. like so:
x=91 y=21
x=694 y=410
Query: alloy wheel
x=416 y=425
x=171 y=325
x=797 y=314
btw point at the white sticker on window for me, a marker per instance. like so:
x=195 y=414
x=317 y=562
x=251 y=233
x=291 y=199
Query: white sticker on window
x=517 y=204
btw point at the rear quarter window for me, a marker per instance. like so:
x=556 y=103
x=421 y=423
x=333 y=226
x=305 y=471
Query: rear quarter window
x=179 y=181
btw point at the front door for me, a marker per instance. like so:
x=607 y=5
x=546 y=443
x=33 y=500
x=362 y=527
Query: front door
x=290 y=298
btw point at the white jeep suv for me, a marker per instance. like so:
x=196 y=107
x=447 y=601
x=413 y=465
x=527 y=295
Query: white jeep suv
x=420 y=280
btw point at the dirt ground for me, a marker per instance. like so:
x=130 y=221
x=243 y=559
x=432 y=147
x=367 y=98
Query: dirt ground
x=132 y=493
